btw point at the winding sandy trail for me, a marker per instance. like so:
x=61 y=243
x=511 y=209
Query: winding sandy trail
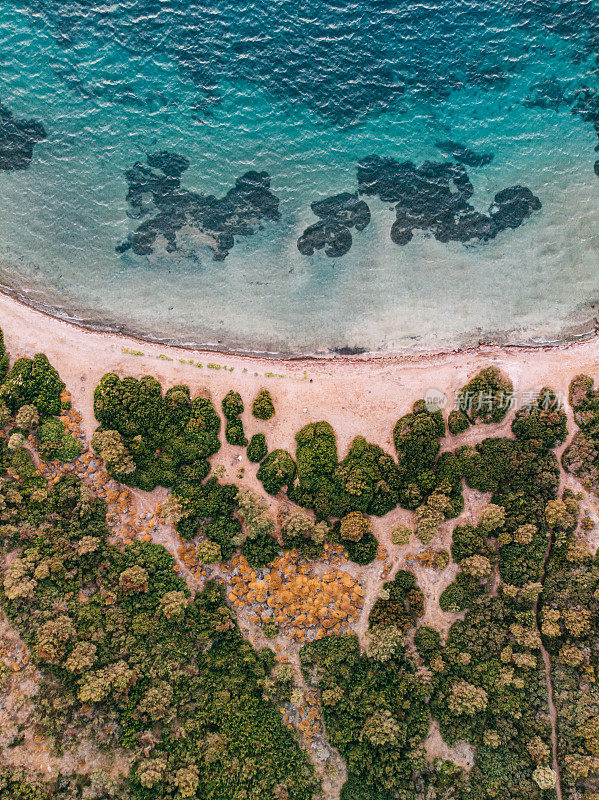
x=553 y=718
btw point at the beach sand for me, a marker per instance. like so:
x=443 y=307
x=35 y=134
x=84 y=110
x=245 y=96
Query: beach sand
x=358 y=395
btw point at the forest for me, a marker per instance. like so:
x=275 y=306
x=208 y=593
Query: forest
x=132 y=658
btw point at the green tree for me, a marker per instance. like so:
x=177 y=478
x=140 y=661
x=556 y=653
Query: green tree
x=257 y=449
x=487 y=397
x=263 y=406
x=33 y=382
x=277 y=470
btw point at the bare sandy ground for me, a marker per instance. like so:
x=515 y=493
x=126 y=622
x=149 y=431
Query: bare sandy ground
x=357 y=395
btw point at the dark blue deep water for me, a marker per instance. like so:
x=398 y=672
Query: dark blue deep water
x=301 y=176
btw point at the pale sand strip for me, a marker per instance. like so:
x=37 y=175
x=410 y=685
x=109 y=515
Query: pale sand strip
x=357 y=395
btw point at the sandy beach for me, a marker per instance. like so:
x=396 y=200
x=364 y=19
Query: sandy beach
x=356 y=394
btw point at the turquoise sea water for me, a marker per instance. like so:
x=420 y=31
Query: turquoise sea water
x=304 y=92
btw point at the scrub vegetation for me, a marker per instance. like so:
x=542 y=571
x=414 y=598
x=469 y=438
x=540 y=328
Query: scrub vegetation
x=136 y=653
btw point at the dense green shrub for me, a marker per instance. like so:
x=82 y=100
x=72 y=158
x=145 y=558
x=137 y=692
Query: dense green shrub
x=300 y=531
x=316 y=458
x=523 y=476
x=124 y=642
x=428 y=643
x=263 y=406
x=32 y=382
x=417 y=438
x=489 y=689
x=56 y=442
x=150 y=440
x=208 y=508
x=110 y=447
x=166 y=436
x=258 y=522
x=14 y=786
x=232 y=404
x=257 y=449
x=581 y=457
x=400 y=604
x=260 y=551
x=234 y=433
x=542 y=421
x=522 y=481
x=448 y=481
x=468 y=540
x=568 y=622
x=584 y=400
x=20 y=461
x=364 y=551
x=4 y=358
x=375 y=713
x=487 y=397
x=368 y=480
x=498 y=465
x=276 y=471
x=460 y=594
x=232 y=408
x=457 y=422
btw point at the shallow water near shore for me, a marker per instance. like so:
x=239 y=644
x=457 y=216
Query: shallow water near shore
x=303 y=93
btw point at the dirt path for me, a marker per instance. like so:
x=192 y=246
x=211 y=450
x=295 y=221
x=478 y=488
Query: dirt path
x=550 y=703
x=564 y=479
x=553 y=718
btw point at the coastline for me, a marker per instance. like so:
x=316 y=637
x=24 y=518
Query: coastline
x=358 y=394
x=586 y=328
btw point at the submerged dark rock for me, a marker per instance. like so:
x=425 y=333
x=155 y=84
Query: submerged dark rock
x=338 y=214
x=436 y=197
x=172 y=164
x=585 y=104
x=512 y=206
x=333 y=237
x=464 y=155
x=345 y=208
x=148 y=188
x=432 y=187
x=547 y=94
x=156 y=189
x=17 y=140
